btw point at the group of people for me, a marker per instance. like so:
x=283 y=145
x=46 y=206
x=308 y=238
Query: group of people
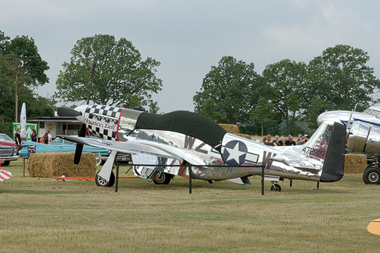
x=281 y=141
x=45 y=139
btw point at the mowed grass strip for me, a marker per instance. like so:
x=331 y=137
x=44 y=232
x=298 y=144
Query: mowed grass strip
x=45 y=215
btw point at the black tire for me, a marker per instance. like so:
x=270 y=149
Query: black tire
x=275 y=187
x=6 y=163
x=162 y=178
x=101 y=182
x=371 y=175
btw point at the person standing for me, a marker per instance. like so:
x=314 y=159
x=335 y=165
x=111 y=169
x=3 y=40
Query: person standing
x=265 y=137
x=44 y=138
x=289 y=141
x=34 y=135
x=49 y=137
x=18 y=140
x=268 y=141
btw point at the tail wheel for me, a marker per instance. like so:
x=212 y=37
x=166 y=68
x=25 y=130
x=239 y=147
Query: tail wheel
x=371 y=175
x=275 y=187
x=102 y=182
x=162 y=178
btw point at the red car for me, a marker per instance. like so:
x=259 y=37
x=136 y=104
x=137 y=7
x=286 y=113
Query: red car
x=8 y=151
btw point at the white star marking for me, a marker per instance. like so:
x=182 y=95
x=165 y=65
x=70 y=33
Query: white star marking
x=235 y=153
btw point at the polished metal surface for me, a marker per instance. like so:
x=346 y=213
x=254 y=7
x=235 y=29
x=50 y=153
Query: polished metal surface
x=235 y=158
x=364 y=138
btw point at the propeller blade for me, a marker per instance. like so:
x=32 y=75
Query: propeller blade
x=82 y=131
x=79 y=148
x=78 y=153
x=67 y=112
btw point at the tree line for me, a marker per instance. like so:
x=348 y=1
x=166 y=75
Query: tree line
x=287 y=97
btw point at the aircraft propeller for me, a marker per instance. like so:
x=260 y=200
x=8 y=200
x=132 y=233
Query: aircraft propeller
x=79 y=148
x=82 y=130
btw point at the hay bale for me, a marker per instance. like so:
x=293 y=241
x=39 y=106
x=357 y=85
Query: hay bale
x=59 y=163
x=256 y=137
x=230 y=128
x=355 y=164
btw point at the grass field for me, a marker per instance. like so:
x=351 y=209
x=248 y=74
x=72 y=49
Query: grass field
x=77 y=216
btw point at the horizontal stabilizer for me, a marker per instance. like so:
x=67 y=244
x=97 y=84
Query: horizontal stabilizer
x=295 y=161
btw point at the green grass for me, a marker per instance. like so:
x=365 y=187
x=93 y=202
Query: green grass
x=77 y=216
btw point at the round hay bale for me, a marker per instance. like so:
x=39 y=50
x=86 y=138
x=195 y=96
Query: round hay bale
x=355 y=164
x=230 y=128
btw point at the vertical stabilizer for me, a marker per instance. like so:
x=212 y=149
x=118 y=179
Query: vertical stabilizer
x=333 y=166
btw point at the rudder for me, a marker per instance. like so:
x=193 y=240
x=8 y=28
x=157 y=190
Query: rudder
x=333 y=166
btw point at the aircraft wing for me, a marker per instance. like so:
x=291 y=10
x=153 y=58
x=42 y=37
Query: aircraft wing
x=136 y=148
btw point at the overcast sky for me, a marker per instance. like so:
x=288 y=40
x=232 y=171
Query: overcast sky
x=188 y=37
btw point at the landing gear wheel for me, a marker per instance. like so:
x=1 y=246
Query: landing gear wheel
x=6 y=163
x=102 y=182
x=98 y=159
x=162 y=178
x=275 y=187
x=371 y=175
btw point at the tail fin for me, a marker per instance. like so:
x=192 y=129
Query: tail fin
x=328 y=146
x=333 y=167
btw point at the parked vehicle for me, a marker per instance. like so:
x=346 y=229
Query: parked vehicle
x=8 y=151
x=60 y=145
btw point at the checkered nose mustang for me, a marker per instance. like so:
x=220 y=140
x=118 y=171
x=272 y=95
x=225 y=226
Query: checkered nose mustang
x=163 y=146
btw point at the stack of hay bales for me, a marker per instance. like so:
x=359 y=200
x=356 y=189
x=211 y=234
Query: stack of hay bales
x=61 y=163
x=234 y=129
x=355 y=164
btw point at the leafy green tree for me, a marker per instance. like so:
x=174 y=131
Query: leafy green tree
x=339 y=79
x=121 y=77
x=30 y=65
x=264 y=113
x=21 y=71
x=287 y=80
x=229 y=91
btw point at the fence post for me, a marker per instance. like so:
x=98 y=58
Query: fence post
x=190 y=184
x=117 y=176
x=262 y=180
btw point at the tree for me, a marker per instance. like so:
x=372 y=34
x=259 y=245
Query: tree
x=30 y=64
x=264 y=113
x=339 y=79
x=21 y=71
x=229 y=92
x=121 y=77
x=287 y=80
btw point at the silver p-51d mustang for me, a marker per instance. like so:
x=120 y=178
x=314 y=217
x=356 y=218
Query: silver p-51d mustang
x=166 y=144
x=363 y=135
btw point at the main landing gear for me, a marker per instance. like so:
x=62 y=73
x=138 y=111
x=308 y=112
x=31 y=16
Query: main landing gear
x=102 y=182
x=162 y=178
x=371 y=174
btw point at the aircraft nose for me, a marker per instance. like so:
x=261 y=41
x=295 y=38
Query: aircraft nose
x=81 y=109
